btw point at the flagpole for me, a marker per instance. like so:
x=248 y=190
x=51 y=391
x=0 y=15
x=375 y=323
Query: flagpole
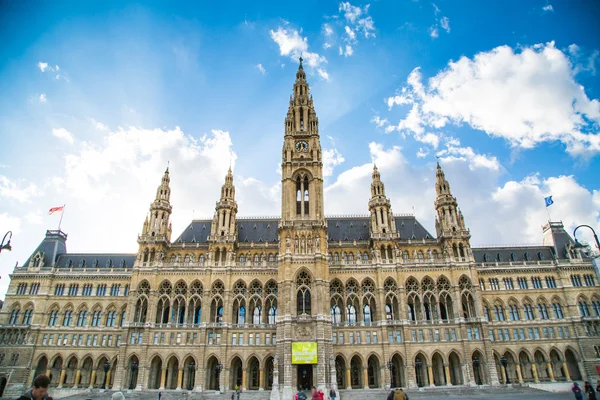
x=61 y=216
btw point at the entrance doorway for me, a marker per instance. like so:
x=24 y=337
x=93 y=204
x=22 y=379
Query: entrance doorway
x=305 y=377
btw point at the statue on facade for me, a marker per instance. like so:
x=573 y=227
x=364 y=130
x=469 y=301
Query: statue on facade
x=318 y=244
x=287 y=243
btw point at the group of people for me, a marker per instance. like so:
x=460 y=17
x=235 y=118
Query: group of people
x=588 y=390
x=316 y=394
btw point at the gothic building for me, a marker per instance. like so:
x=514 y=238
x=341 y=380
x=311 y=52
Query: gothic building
x=374 y=301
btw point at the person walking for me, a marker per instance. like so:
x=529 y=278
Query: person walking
x=159 y=395
x=589 y=389
x=400 y=395
x=577 y=391
x=390 y=395
x=332 y=394
x=39 y=389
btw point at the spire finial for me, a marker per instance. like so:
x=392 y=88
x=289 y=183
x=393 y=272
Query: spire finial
x=167 y=171
x=301 y=61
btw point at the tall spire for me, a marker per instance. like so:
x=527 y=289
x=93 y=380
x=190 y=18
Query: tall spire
x=224 y=221
x=301 y=118
x=382 y=218
x=157 y=223
x=450 y=223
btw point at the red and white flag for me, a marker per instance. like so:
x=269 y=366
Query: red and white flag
x=55 y=209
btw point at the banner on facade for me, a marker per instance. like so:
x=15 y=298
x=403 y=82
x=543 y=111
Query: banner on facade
x=304 y=353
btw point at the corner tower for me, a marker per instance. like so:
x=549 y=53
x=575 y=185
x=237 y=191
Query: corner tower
x=449 y=223
x=156 y=231
x=303 y=269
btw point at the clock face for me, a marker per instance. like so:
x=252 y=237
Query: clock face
x=301 y=146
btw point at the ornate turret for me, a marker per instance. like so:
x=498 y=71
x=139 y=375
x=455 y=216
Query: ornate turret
x=157 y=225
x=224 y=223
x=156 y=231
x=450 y=223
x=382 y=219
x=301 y=117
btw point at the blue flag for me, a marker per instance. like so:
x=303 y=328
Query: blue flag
x=548 y=201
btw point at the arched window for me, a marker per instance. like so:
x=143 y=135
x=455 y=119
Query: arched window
x=53 y=319
x=543 y=311
x=303 y=299
x=82 y=318
x=367 y=313
x=351 y=314
x=272 y=315
x=336 y=314
x=557 y=309
x=14 y=316
x=584 y=310
x=499 y=312
x=528 y=311
x=241 y=315
x=257 y=315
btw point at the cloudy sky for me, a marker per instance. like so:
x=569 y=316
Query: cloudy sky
x=97 y=97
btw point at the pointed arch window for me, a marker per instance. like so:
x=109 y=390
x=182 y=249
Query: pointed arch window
x=336 y=314
x=367 y=313
x=257 y=315
x=272 y=315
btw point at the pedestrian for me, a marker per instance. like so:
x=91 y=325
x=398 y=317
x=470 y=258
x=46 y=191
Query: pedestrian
x=589 y=389
x=400 y=395
x=39 y=389
x=321 y=395
x=577 y=391
x=332 y=394
x=159 y=395
x=315 y=394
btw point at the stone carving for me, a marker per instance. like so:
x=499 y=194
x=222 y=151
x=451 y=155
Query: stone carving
x=304 y=332
x=318 y=244
x=287 y=243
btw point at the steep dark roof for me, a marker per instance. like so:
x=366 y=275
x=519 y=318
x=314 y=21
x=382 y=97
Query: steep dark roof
x=53 y=245
x=518 y=253
x=410 y=228
x=95 y=260
x=260 y=230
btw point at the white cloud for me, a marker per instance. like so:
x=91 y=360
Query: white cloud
x=261 y=68
x=327 y=29
x=293 y=45
x=21 y=191
x=548 y=8
x=326 y=46
x=43 y=66
x=536 y=99
x=467 y=154
x=43 y=98
x=351 y=13
x=63 y=134
x=323 y=74
x=379 y=122
x=346 y=50
x=433 y=32
x=34 y=218
x=331 y=159
x=98 y=125
x=436 y=9
x=445 y=23
x=350 y=33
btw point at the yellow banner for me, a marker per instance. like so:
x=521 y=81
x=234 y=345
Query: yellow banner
x=304 y=353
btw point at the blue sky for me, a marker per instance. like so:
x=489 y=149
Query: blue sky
x=98 y=96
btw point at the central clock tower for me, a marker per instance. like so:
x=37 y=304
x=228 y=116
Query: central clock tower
x=303 y=268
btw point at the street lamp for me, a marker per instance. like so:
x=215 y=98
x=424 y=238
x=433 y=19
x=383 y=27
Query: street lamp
x=578 y=245
x=106 y=368
x=6 y=246
x=418 y=364
x=504 y=362
x=218 y=369
x=390 y=366
x=476 y=370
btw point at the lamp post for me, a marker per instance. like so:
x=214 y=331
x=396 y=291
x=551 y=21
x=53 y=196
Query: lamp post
x=134 y=368
x=476 y=371
x=504 y=362
x=106 y=369
x=218 y=369
x=6 y=246
x=390 y=366
x=578 y=245
x=418 y=364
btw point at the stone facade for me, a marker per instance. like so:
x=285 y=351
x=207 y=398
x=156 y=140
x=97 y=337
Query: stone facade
x=387 y=302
